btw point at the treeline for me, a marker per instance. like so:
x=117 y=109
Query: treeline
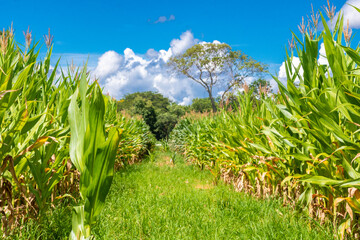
x=161 y=114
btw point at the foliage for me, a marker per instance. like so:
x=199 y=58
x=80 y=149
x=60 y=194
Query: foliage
x=201 y=105
x=215 y=65
x=151 y=200
x=136 y=142
x=178 y=110
x=260 y=86
x=165 y=124
x=159 y=113
x=35 y=171
x=92 y=151
x=157 y=100
x=301 y=145
x=33 y=134
x=148 y=113
x=159 y=197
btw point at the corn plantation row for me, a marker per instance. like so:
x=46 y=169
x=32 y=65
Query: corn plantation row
x=59 y=138
x=302 y=144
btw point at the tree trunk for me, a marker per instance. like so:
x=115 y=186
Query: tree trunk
x=212 y=102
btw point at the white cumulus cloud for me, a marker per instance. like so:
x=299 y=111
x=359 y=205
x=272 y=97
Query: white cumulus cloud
x=351 y=13
x=186 y=40
x=108 y=64
x=126 y=73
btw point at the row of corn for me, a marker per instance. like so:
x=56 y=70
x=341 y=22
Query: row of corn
x=59 y=137
x=135 y=143
x=301 y=145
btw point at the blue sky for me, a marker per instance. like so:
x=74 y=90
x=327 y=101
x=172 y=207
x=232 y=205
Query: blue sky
x=84 y=29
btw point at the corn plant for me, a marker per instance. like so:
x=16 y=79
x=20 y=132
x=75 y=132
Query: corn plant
x=302 y=144
x=92 y=151
x=35 y=167
x=136 y=142
x=32 y=144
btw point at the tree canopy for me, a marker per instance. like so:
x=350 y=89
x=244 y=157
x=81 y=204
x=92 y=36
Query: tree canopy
x=260 y=86
x=158 y=112
x=157 y=100
x=201 y=105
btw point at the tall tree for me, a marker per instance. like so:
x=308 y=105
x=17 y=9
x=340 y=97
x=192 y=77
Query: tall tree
x=215 y=65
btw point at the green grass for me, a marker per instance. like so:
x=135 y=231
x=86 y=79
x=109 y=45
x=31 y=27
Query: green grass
x=158 y=200
x=55 y=225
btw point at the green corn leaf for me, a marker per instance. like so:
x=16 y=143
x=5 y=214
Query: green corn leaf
x=322 y=181
x=91 y=150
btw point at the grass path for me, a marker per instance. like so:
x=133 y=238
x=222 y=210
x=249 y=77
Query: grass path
x=161 y=200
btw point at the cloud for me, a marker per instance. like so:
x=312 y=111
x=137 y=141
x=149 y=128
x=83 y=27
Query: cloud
x=322 y=55
x=108 y=64
x=163 y=19
x=322 y=60
x=351 y=13
x=121 y=74
x=186 y=40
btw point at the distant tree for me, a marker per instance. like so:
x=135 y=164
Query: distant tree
x=216 y=65
x=165 y=124
x=201 y=105
x=157 y=100
x=177 y=110
x=147 y=111
x=260 y=85
x=159 y=113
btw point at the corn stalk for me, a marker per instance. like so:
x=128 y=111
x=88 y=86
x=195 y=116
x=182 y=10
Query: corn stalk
x=92 y=151
x=302 y=144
